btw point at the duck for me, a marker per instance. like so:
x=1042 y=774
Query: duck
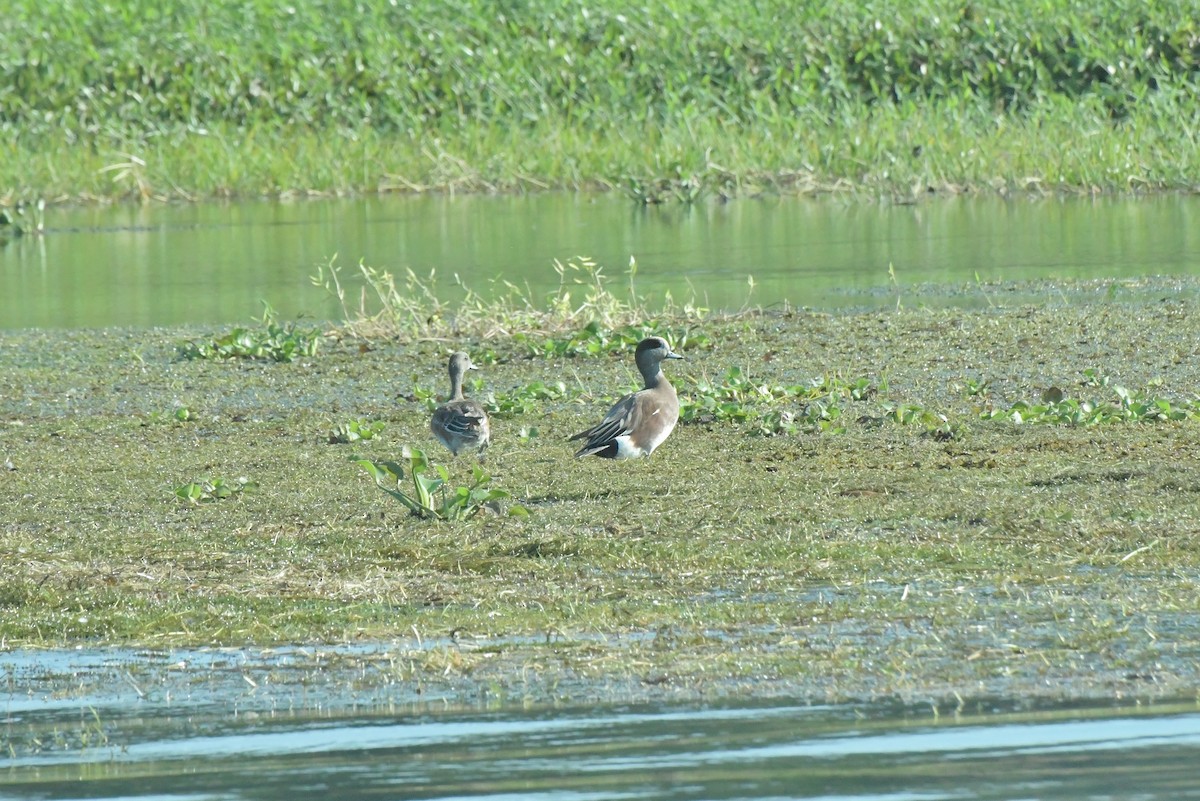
x=461 y=423
x=641 y=421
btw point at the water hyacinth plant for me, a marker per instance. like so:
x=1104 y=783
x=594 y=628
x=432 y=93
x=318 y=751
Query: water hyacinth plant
x=273 y=341
x=1054 y=408
x=526 y=399
x=432 y=495
x=356 y=430
x=773 y=408
x=211 y=490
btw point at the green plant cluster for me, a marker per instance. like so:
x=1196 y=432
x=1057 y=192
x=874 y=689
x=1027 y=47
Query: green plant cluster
x=591 y=340
x=819 y=407
x=211 y=490
x=273 y=341
x=426 y=66
x=1124 y=406
x=432 y=495
x=773 y=408
x=22 y=219
x=356 y=431
x=594 y=339
x=525 y=399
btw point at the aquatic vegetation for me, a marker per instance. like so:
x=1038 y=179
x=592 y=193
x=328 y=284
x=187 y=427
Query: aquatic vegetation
x=1123 y=406
x=22 y=219
x=591 y=340
x=878 y=95
x=596 y=340
x=594 y=318
x=816 y=406
x=273 y=341
x=1093 y=377
x=526 y=399
x=820 y=406
x=934 y=424
x=356 y=431
x=976 y=387
x=678 y=186
x=910 y=413
x=818 y=416
x=432 y=494
x=211 y=490
x=180 y=414
x=732 y=562
x=384 y=309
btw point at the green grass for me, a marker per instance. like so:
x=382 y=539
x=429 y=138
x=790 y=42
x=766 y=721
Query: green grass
x=892 y=553
x=585 y=316
x=675 y=101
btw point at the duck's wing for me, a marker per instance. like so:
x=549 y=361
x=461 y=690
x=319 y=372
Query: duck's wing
x=619 y=422
x=463 y=418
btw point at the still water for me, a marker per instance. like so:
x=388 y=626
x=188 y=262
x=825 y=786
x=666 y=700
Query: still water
x=230 y=724
x=216 y=263
x=712 y=752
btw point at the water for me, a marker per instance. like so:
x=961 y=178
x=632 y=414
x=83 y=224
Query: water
x=216 y=263
x=713 y=752
x=231 y=724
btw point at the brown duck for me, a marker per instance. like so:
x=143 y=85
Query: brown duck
x=639 y=422
x=461 y=423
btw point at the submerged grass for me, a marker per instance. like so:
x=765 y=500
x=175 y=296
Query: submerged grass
x=674 y=101
x=964 y=553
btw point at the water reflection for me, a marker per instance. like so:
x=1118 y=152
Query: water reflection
x=731 y=751
x=212 y=263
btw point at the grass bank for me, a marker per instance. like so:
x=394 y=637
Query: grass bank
x=852 y=508
x=670 y=101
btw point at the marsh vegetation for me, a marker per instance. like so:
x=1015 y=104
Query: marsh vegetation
x=929 y=539
x=672 y=101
